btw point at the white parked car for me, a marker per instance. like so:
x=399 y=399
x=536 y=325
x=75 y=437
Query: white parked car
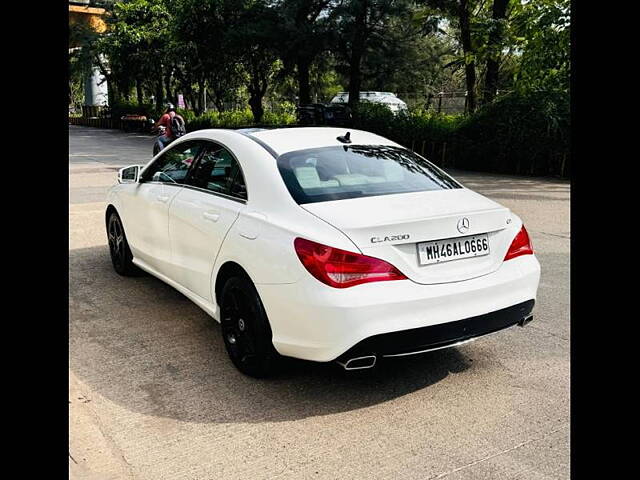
x=322 y=244
x=385 y=98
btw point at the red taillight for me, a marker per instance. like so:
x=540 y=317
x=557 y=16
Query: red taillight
x=521 y=245
x=340 y=268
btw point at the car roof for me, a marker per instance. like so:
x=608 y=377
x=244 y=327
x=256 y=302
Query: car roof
x=283 y=140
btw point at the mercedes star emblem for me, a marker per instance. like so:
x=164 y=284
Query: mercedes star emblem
x=463 y=224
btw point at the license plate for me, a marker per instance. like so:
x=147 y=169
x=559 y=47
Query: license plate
x=438 y=251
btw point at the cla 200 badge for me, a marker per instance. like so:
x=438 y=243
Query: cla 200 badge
x=391 y=238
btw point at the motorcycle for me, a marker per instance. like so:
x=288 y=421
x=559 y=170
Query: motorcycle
x=159 y=132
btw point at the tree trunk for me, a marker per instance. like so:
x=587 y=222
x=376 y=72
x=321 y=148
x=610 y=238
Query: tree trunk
x=126 y=91
x=255 y=102
x=429 y=100
x=304 y=89
x=202 y=94
x=258 y=84
x=357 y=50
x=112 y=93
x=139 y=92
x=218 y=96
x=355 y=80
x=167 y=86
x=494 y=44
x=119 y=89
x=464 y=17
x=159 y=94
x=191 y=101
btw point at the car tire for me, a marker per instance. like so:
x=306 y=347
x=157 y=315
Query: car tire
x=121 y=256
x=245 y=329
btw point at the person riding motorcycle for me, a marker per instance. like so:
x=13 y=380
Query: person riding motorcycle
x=169 y=134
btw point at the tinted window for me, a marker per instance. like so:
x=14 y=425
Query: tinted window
x=335 y=173
x=172 y=166
x=218 y=171
x=238 y=187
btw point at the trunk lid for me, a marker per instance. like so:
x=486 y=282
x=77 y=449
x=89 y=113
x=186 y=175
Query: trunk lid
x=389 y=227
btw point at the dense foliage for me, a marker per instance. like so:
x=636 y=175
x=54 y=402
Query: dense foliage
x=233 y=53
x=523 y=133
x=234 y=119
x=244 y=62
x=519 y=133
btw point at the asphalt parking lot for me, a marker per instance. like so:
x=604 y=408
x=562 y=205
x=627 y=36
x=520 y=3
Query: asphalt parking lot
x=153 y=396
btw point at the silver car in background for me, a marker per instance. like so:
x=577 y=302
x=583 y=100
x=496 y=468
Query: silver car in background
x=385 y=98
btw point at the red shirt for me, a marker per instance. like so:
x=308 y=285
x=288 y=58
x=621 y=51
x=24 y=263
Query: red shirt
x=166 y=121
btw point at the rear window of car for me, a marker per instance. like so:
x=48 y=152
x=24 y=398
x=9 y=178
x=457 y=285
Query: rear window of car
x=341 y=172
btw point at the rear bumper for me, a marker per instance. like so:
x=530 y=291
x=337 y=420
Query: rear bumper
x=435 y=337
x=312 y=321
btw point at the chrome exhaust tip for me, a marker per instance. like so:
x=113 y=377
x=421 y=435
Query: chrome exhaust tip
x=358 y=363
x=525 y=320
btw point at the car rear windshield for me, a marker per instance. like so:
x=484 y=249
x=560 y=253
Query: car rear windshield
x=340 y=172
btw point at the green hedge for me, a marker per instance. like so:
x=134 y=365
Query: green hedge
x=521 y=133
x=211 y=119
x=234 y=119
x=407 y=128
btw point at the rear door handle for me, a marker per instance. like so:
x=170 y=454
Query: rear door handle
x=163 y=198
x=211 y=216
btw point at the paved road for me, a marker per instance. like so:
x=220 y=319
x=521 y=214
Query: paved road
x=153 y=396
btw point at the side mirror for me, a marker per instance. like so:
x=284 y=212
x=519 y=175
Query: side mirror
x=129 y=174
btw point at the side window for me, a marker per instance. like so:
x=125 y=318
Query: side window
x=172 y=166
x=217 y=171
x=238 y=188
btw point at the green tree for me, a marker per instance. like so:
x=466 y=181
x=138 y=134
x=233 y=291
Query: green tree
x=542 y=36
x=252 y=43
x=204 y=49
x=304 y=29
x=460 y=15
x=81 y=38
x=84 y=55
x=76 y=81
x=495 y=45
x=135 y=46
x=410 y=57
x=361 y=23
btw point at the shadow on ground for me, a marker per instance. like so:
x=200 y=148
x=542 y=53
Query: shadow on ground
x=144 y=346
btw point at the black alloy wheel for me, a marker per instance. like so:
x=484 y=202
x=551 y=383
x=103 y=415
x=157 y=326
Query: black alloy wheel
x=245 y=329
x=121 y=256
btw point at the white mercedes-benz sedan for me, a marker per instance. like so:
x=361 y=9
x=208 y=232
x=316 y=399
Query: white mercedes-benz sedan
x=322 y=244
